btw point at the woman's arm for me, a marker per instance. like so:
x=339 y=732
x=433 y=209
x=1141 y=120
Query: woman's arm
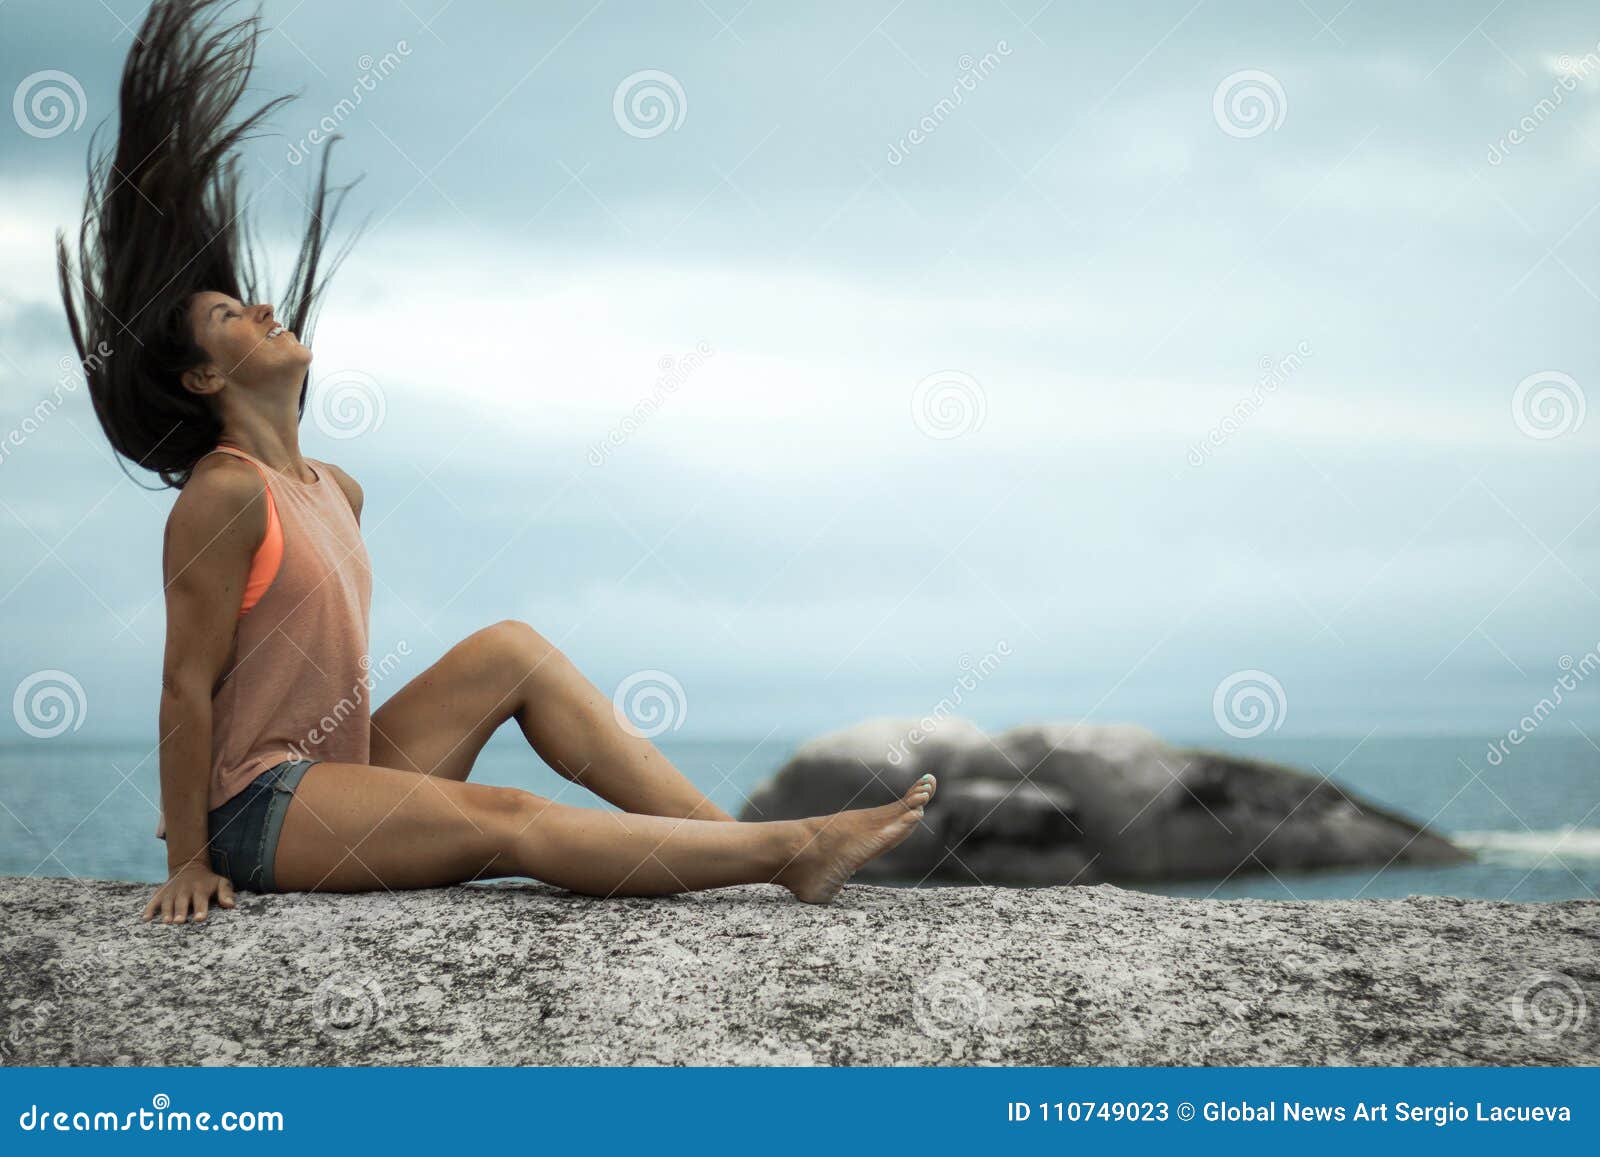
x=212 y=535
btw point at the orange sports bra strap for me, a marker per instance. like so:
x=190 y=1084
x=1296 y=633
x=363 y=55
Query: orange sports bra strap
x=232 y=452
x=269 y=555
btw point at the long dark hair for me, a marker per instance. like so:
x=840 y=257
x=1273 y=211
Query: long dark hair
x=162 y=221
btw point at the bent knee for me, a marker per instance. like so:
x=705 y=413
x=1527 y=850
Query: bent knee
x=518 y=650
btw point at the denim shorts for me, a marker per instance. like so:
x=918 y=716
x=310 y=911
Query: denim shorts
x=244 y=830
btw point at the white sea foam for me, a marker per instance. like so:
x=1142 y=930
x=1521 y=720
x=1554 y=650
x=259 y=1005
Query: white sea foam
x=1525 y=849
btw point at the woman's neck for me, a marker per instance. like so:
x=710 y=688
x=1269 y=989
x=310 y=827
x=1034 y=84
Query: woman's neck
x=275 y=443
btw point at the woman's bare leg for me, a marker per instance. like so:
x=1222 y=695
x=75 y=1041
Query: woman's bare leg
x=351 y=827
x=438 y=723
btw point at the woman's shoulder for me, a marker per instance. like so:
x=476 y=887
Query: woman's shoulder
x=352 y=489
x=224 y=498
x=221 y=482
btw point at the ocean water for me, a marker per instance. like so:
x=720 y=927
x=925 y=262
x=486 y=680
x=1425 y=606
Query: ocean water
x=1534 y=820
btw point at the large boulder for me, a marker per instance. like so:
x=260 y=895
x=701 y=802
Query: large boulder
x=523 y=974
x=1077 y=803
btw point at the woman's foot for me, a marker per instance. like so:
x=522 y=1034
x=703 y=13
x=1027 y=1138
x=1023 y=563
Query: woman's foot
x=837 y=845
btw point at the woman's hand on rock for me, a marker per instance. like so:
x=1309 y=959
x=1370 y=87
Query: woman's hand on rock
x=189 y=888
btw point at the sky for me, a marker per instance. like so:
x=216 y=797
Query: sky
x=811 y=357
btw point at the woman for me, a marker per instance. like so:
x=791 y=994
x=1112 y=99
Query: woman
x=268 y=587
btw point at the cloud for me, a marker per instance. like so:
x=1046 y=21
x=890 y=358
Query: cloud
x=765 y=335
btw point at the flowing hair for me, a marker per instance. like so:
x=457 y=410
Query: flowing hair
x=162 y=221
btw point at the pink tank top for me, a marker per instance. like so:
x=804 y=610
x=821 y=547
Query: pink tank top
x=296 y=685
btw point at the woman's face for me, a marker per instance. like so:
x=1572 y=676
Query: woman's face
x=245 y=342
